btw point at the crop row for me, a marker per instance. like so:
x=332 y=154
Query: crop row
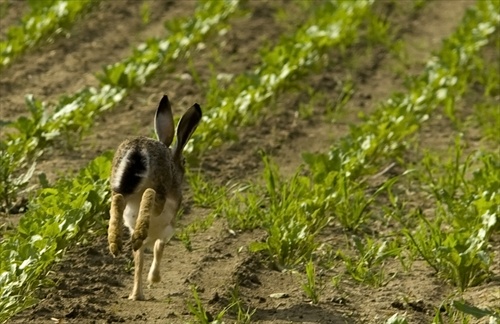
x=486 y=114
x=443 y=83
x=75 y=114
x=333 y=24
x=44 y=20
x=467 y=204
x=58 y=217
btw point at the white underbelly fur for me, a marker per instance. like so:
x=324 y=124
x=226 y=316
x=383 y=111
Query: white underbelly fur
x=159 y=225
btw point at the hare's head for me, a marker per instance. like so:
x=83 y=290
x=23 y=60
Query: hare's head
x=164 y=128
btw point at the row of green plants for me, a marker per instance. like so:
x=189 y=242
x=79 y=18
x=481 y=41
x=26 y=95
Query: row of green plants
x=443 y=82
x=332 y=24
x=73 y=115
x=454 y=241
x=484 y=99
x=45 y=19
x=58 y=217
x=294 y=211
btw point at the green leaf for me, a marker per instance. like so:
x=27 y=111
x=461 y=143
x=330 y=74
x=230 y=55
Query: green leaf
x=474 y=311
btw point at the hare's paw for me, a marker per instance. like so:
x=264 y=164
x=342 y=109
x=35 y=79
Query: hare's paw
x=136 y=296
x=115 y=249
x=137 y=242
x=154 y=276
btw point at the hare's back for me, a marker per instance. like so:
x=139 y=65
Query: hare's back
x=140 y=163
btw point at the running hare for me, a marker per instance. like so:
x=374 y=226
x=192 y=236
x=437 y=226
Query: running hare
x=146 y=189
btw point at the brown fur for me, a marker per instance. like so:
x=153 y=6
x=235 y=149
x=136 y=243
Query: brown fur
x=142 y=225
x=116 y=224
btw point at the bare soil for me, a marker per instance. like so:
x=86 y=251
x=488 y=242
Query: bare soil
x=92 y=287
x=11 y=13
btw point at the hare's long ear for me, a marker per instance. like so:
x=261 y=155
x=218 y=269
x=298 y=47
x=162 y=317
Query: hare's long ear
x=164 y=122
x=187 y=125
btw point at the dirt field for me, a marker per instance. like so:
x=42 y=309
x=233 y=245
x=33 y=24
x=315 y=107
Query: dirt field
x=92 y=287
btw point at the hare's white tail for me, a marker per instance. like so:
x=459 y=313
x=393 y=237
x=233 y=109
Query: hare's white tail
x=131 y=172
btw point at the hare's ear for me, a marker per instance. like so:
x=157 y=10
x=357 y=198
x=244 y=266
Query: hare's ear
x=187 y=126
x=164 y=122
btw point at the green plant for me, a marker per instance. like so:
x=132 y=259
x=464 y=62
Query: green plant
x=291 y=226
x=368 y=266
x=455 y=241
x=464 y=187
x=202 y=316
x=243 y=314
x=44 y=19
x=57 y=217
x=311 y=289
x=197 y=309
x=461 y=312
x=451 y=185
x=10 y=182
x=205 y=193
x=145 y=12
x=396 y=319
x=458 y=254
x=477 y=312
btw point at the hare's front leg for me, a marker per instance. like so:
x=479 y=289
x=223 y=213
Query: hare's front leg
x=116 y=224
x=137 y=292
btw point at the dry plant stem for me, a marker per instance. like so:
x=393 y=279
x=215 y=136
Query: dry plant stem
x=384 y=171
x=116 y=224
x=142 y=225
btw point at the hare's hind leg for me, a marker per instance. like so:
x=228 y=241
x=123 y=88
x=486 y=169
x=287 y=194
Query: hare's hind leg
x=154 y=271
x=138 y=236
x=142 y=226
x=137 y=293
x=116 y=224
